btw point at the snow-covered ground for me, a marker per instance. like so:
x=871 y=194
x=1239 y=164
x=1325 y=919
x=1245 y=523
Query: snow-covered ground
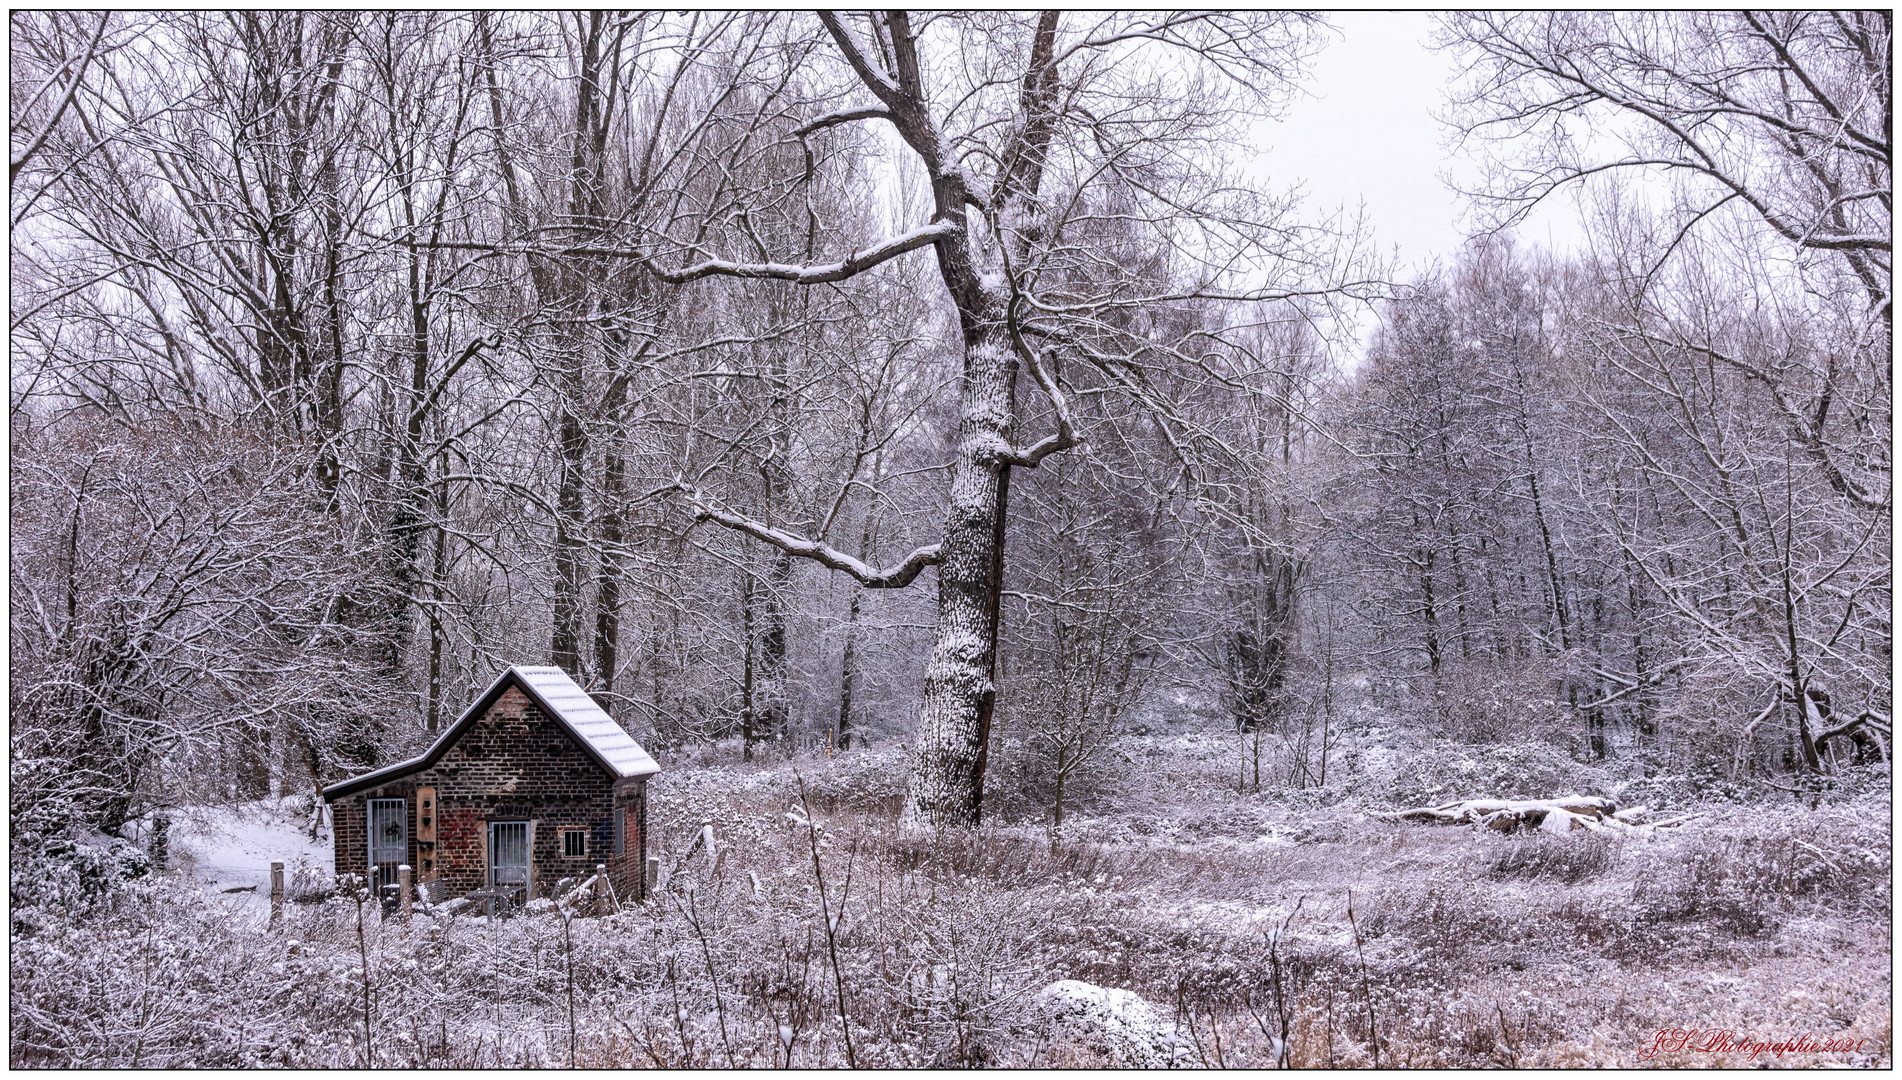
x=1179 y=921
x=232 y=847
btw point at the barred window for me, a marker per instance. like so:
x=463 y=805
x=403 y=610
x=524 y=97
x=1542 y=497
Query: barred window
x=574 y=844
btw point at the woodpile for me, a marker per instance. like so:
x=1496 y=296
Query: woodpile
x=1588 y=812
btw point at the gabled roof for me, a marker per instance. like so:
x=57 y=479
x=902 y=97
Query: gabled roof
x=556 y=694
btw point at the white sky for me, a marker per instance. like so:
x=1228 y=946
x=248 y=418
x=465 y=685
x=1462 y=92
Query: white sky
x=1365 y=132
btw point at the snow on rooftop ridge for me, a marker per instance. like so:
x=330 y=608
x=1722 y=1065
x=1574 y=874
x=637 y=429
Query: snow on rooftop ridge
x=590 y=723
x=564 y=700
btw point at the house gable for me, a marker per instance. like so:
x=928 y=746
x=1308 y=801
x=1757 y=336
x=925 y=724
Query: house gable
x=511 y=738
x=568 y=708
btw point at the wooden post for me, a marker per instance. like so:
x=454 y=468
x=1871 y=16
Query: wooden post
x=653 y=875
x=403 y=890
x=600 y=888
x=277 y=891
x=426 y=833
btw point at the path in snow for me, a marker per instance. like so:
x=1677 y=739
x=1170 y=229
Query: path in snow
x=227 y=847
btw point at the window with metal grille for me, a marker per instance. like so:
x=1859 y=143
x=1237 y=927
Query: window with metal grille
x=574 y=844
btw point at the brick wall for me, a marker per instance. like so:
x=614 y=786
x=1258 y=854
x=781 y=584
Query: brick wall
x=347 y=835
x=514 y=764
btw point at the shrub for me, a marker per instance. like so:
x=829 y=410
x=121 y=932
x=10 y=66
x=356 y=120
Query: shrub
x=72 y=871
x=1440 y=772
x=1567 y=859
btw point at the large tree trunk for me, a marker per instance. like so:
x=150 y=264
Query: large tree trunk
x=848 y=663
x=947 y=771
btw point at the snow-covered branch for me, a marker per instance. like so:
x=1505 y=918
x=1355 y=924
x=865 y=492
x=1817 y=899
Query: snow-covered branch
x=892 y=577
x=842 y=116
x=18 y=161
x=856 y=263
x=852 y=265
x=1065 y=436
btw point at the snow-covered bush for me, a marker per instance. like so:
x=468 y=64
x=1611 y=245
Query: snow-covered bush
x=1116 y=1024
x=72 y=870
x=1485 y=703
x=1704 y=783
x=1440 y=772
x=864 y=780
x=1565 y=859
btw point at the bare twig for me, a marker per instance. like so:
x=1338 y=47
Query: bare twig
x=1366 y=986
x=825 y=914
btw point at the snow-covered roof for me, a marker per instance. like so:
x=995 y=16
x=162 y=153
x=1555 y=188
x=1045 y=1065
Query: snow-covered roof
x=563 y=700
x=559 y=697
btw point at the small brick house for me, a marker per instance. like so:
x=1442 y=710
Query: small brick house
x=533 y=783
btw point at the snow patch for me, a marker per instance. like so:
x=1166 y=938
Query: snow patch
x=232 y=847
x=1118 y=1024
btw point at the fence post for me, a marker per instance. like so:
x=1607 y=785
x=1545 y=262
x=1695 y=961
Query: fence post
x=403 y=890
x=653 y=876
x=600 y=888
x=277 y=891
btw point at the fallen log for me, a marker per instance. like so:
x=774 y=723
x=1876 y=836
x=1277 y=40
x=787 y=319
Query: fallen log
x=1588 y=812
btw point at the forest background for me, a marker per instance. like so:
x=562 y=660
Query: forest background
x=959 y=383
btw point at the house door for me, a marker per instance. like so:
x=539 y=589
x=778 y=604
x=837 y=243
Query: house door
x=389 y=839
x=508 y=854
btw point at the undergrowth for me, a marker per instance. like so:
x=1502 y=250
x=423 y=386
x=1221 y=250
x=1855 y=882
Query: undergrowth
x=1463 y=948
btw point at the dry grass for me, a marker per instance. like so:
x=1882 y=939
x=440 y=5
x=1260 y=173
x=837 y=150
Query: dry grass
x=1473 y=949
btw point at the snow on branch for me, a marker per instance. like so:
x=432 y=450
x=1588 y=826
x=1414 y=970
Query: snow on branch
x=856 y=263
x=855 y=54
x=852 y=265
x=1065 y=437
x=843 y=116
x=894 y=577
x=18 y=161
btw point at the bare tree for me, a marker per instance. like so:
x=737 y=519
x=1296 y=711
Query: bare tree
x=167 y=602
x=1026 y=232
x=1092 y=597
x=1783 y=117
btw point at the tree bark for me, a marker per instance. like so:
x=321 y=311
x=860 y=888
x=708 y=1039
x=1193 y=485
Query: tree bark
x=749 y=713
x=947 y=771
x=848 y=675
x=594 y=105
x=607 y=612
x=564 y=645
